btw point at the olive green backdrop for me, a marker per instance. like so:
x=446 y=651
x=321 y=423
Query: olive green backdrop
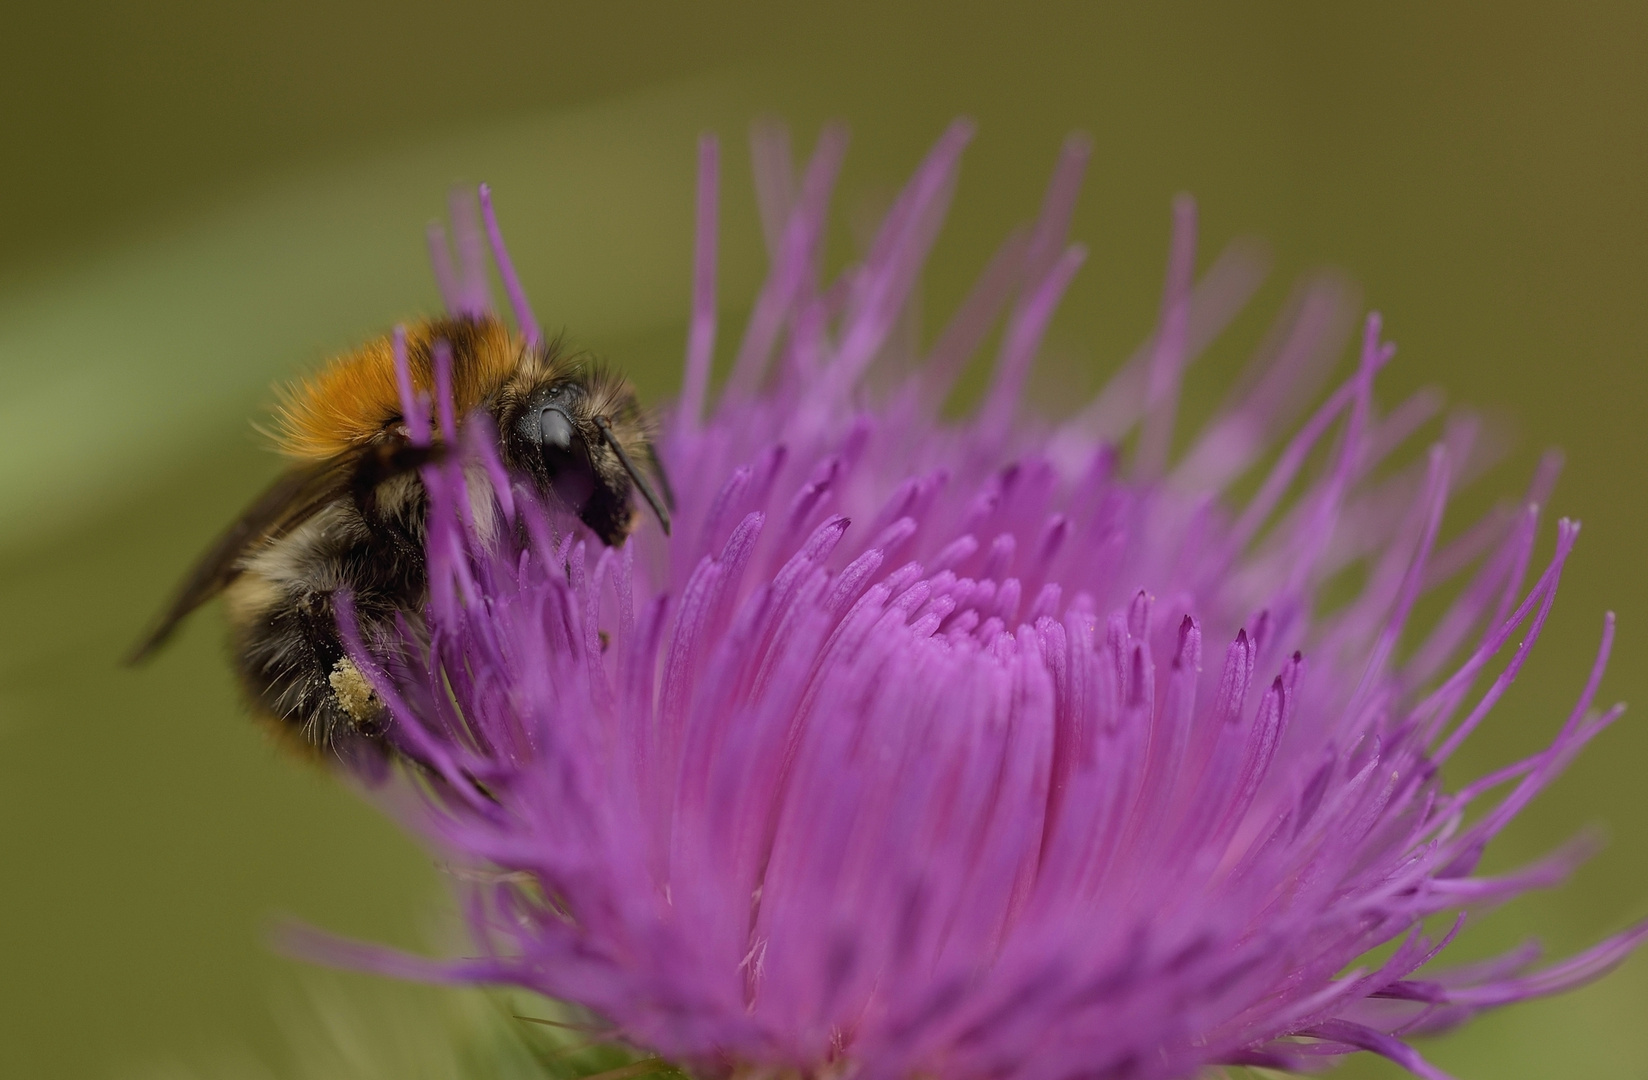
x=200 y=198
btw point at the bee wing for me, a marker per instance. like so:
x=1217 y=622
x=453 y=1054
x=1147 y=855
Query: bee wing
x=292 y=498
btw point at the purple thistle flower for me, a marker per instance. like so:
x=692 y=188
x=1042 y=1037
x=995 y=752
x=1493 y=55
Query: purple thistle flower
x=976 y=747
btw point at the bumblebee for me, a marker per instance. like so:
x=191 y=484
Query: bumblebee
x=350 y=513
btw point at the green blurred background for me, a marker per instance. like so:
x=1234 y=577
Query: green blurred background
x=200 y=198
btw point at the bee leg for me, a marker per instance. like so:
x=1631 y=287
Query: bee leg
x=293 y=663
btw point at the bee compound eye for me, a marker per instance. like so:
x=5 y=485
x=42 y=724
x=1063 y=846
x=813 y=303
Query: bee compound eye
x=554 y=429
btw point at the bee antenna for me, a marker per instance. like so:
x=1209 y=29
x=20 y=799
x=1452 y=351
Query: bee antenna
x=658 y=508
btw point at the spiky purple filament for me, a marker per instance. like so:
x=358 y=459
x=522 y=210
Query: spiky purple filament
x=901 y=757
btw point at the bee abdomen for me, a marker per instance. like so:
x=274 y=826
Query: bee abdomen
x=288 y=651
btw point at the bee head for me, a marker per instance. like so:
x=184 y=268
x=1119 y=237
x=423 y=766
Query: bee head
x=556 y=440
x=578 y=431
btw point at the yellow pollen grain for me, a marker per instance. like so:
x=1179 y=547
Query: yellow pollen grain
x=354 y=693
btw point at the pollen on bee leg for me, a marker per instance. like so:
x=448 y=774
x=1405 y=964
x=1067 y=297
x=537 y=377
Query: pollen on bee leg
x=354 y=694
